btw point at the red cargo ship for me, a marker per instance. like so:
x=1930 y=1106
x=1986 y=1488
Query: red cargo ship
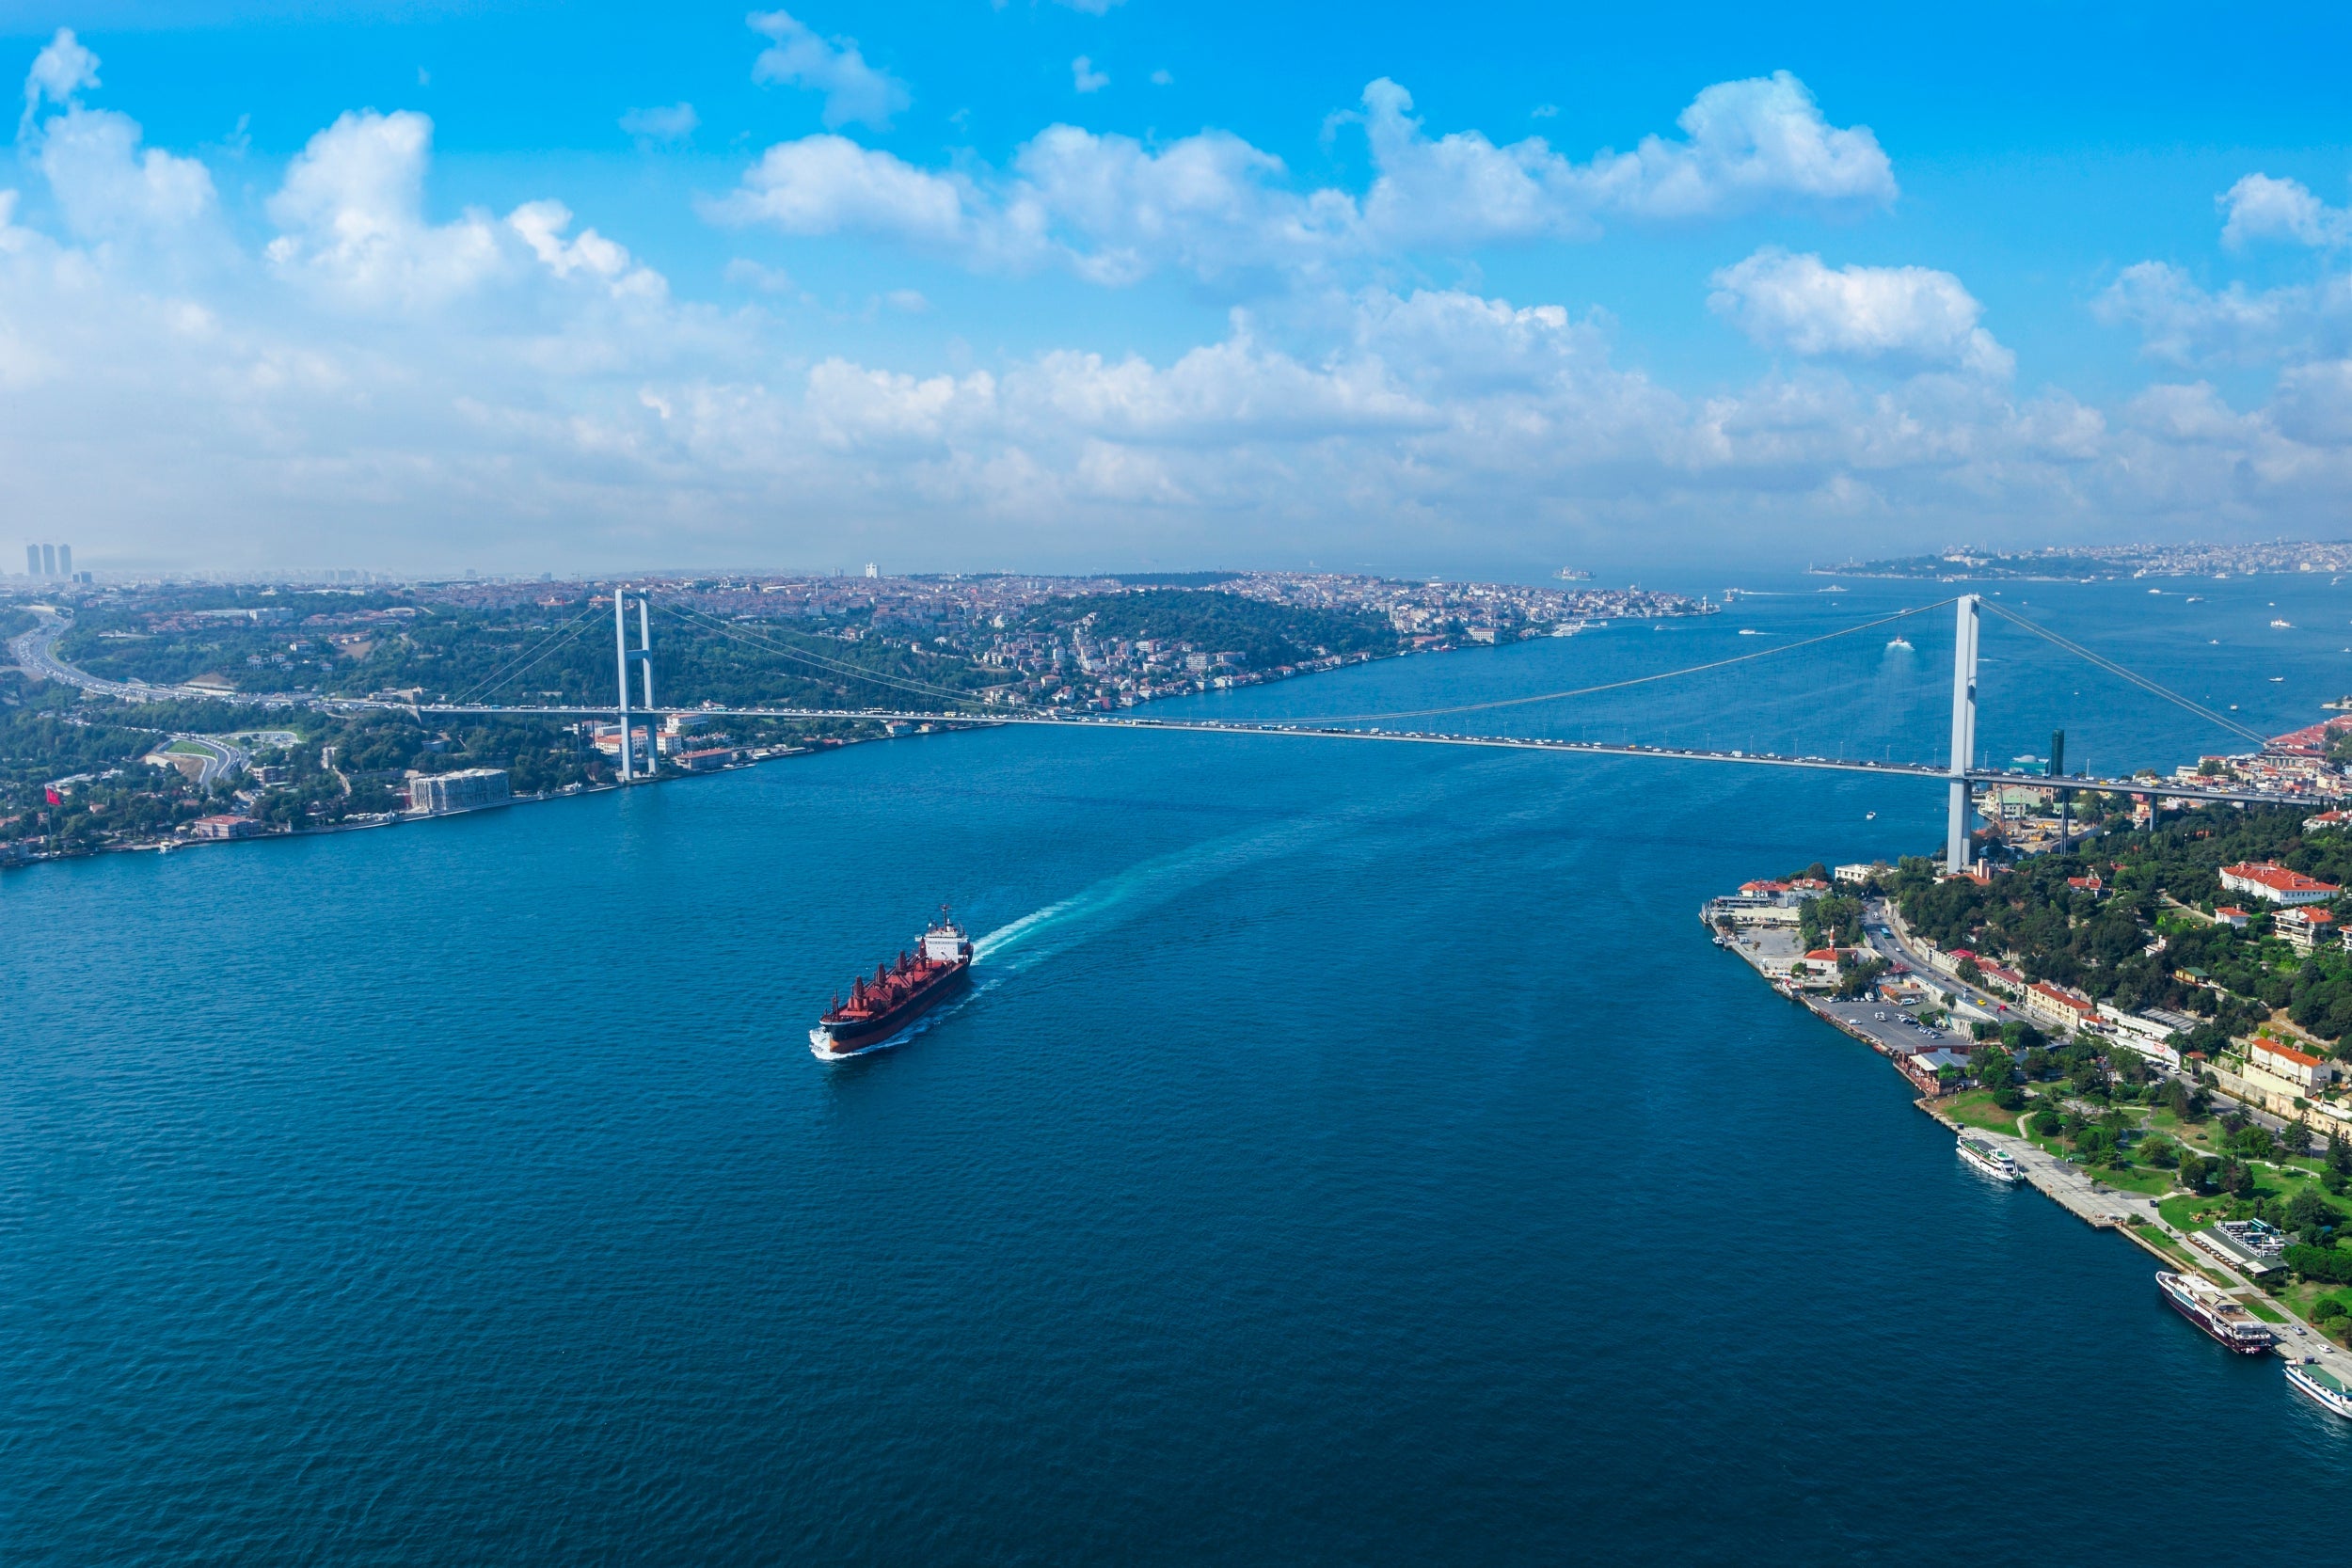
x=879 y=1008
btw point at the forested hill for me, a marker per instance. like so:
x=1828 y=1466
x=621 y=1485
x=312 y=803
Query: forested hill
x=1267 y=635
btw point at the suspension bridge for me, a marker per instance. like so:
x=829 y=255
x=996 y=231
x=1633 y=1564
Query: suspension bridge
x=635 y=704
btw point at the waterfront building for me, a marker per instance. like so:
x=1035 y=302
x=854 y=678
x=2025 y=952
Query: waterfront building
x=224 y=827
x=2150 y=1033
x=2250 y=1246
x=2276 y=883
x=467 y=789
x=706 y=758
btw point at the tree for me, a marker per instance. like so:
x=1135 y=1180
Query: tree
x=2338 y=1153
x=2048 y=1124
x=1968 y=972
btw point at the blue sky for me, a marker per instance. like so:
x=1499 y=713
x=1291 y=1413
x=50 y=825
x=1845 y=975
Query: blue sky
x=1034 y=285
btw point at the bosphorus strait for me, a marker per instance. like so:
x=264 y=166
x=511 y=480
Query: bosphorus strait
x=1345 y=1153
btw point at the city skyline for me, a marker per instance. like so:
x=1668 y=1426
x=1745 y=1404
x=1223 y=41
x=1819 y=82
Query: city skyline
x=1056 y=288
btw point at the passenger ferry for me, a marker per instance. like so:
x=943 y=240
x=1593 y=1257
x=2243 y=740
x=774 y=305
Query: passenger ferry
x=1984 y=1157
x=2332 y=1391
x=2224 y=1319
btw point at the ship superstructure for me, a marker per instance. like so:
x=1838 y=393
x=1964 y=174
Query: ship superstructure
x=894 y=995
x=2222 y=1316
x=1982 y=1156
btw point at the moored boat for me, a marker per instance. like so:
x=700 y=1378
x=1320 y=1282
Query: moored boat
x=877 y=1008
x=1989 y=1160
x=2329 y=1391
x=2222 y=1316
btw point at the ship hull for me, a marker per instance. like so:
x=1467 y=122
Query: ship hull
x=2209 y=1331
x=834 y=1038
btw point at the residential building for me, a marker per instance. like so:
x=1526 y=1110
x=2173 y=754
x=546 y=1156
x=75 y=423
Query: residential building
x=2232 y=916
x=2304 y=1073
x=2325 y=820
x=2067 y=1010
x=2276 y=883
x=2305 y=928
x=467 y=789
x=2090 y=884
x=1857 y=874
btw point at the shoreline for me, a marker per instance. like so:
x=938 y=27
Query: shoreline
x=2132 y=1215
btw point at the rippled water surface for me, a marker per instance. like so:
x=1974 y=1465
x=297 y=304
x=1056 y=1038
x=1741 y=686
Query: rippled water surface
x=1353 y=1152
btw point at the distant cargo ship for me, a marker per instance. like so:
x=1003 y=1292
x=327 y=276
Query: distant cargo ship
x=2223 y=1318
x=879 y=1008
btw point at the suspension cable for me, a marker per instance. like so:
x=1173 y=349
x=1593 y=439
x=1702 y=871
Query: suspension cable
x=705 y=621
x=2114 y=668
x=537 y=652
x=1637 y=680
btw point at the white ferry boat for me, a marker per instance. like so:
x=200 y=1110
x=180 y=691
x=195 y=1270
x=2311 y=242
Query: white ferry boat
x=2224 y=1319
x=1984 y=1157
x=2332 y=1391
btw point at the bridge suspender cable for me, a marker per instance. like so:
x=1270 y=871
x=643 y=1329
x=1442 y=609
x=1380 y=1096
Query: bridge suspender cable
x=1636 y=680
x=2114 y=668
x=922 y=689
x=530 y=656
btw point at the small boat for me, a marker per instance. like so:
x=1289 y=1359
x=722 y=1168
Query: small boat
x=1750 y=631
x=1988 y=1160
x=1903 y=643
x=2282 y=626
x=2329 y=1391
x=2155 y=591
x=1869 y=817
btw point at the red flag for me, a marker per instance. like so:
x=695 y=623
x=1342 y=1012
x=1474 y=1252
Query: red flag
x=55 y=799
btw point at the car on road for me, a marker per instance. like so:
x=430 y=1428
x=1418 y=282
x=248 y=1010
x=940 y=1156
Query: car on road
x=1879 y=1016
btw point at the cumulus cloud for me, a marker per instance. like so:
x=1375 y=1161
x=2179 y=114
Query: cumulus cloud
x=351 y=214
x=62 y=69
x=1745 y=145
x=1115 y=211
x=1912 y=316
x=672 y=124
x=854 y=91
x=2182 y=320
x=522 y=388
x=1085 y=78
x=2261 y=208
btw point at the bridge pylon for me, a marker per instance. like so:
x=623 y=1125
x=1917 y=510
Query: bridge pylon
x=1963 y=733
x=641 y=656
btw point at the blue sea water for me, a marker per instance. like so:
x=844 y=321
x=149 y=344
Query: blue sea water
x=1352 y=1153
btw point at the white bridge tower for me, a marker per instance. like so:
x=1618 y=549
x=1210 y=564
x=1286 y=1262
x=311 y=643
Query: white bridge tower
x=641 y=656
x=1963 y=733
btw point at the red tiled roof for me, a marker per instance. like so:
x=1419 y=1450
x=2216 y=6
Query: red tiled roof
x=2278 y=878
x=2275 y=1049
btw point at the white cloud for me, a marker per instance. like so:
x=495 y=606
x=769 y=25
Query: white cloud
x=541 y=226
x=1115 y=211
x=522 y=390
x=62 y=69
x=854 y=91
x=2262 y=208
x=827 y=184
x=1085 y=78
x=107 y=188
x=352 y=217
x=672 y=124
x=1913 y=316
x=1161 y=79
x=2181 y=321
x=1746 y=145
x=907 y=301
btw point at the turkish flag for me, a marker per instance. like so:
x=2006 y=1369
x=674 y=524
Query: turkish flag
x=55 y=799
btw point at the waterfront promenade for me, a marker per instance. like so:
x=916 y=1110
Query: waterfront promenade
x=1891 y=1031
